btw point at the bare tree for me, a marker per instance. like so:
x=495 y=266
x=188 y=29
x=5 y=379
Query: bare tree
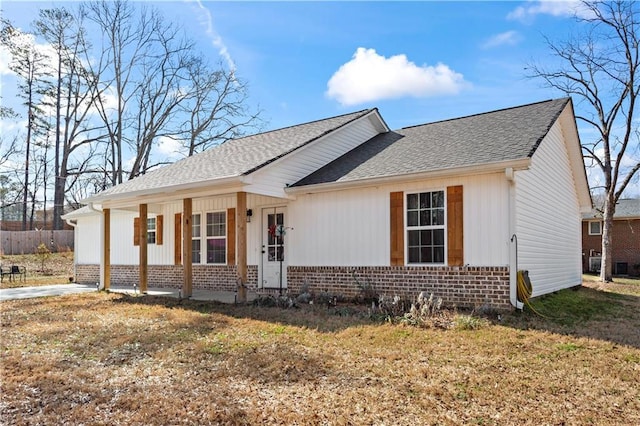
x=217 y=108
x=29 y=64
x=127 y=39
x=160 y=92
x=600 y=70
x=74 y=92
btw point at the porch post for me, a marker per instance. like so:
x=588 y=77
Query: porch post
x=105 y=252
x=241 y=246
x=187 y=250
x=143 y=249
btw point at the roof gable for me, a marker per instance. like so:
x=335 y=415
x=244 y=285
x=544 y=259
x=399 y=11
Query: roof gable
x=504 y=135
x=231 y=159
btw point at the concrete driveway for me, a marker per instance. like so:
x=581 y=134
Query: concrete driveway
x=43 y=291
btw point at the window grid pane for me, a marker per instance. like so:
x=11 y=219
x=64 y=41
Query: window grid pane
x=425 y=227
x=216 y=242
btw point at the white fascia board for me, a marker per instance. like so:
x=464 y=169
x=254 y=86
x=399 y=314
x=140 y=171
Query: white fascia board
x=165 y=193
x=574 y=148
x=479 y=169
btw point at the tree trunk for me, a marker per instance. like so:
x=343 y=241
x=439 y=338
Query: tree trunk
x=606 y=274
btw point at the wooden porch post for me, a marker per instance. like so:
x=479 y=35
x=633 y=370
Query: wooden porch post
x=105 y=264
x=143 y=249
x=187 y=250
x=241 y=246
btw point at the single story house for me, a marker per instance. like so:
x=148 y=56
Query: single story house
x=625 y=239
x=452 y=208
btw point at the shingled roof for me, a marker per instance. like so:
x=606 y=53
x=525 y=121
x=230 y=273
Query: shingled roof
x=231 y=159
x=503 y=135
x=626 y=208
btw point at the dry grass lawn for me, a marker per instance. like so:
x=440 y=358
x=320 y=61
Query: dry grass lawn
x=110 y=359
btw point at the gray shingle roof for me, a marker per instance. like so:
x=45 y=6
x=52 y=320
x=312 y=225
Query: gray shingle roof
x=628 y=207
x=233 y=158
x=625 y=208
x=503 y=135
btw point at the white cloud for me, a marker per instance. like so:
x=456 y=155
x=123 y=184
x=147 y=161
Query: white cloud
x=562 y=8
x=370 y=77
x=509 y=38
x=207 y=20
x=557 y=8
x=170 y=148
x=5 y=57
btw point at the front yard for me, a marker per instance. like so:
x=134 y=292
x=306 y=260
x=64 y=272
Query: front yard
x=116 y=359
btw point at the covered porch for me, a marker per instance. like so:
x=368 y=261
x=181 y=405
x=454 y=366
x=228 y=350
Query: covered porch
x=173 y=235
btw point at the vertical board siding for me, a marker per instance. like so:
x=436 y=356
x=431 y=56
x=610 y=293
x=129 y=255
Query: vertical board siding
x=87 y=252
x=340 y=228
x=351 y=227
x=289 y=170
x=548 y=218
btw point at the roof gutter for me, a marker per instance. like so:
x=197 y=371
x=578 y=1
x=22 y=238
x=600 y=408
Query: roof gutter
x=487 y=168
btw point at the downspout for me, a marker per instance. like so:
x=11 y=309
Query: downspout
x=94 y=209
x=73 y=224
x=513 y=247
x=101 y=284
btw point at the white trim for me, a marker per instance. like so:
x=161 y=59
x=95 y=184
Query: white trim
x=406 y=228
x=589 y=223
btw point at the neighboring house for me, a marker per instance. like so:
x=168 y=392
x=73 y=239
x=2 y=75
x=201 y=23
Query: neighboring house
x=625 y=239
x=440 y=208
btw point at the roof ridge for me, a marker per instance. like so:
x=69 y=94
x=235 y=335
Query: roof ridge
x=484 y=113
x=362 y=112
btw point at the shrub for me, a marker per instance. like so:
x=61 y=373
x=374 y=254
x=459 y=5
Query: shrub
x=43 y=253
x=469 y=322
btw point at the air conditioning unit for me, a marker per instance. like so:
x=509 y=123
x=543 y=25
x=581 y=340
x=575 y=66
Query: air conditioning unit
x=594 y=263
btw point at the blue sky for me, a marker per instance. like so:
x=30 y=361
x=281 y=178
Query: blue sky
x=416 y=61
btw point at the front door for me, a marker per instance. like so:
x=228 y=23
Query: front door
x=274 y=261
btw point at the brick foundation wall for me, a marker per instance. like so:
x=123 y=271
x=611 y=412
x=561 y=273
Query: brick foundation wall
x=457 y=286
x=205 y=277
x=472 y=287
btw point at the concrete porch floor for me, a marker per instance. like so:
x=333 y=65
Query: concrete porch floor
x=204 y=295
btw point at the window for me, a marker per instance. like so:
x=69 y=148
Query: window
x=595 y=228
x=195 y=238
x=217 y=237
x=426 y=227
x=151 y=230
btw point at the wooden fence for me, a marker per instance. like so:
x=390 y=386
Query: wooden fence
x=26 y=242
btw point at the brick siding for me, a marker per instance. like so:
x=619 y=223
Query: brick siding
x=625 y=240
x=472 y=287
x=205 y=277
x=457 y=286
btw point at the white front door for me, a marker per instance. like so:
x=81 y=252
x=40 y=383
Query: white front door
x=274 y=259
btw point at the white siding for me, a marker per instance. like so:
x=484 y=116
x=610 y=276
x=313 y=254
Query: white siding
x=340 y=228
x=351 y=227
x=273 y=179
x=87 y=249
x=548 y=218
